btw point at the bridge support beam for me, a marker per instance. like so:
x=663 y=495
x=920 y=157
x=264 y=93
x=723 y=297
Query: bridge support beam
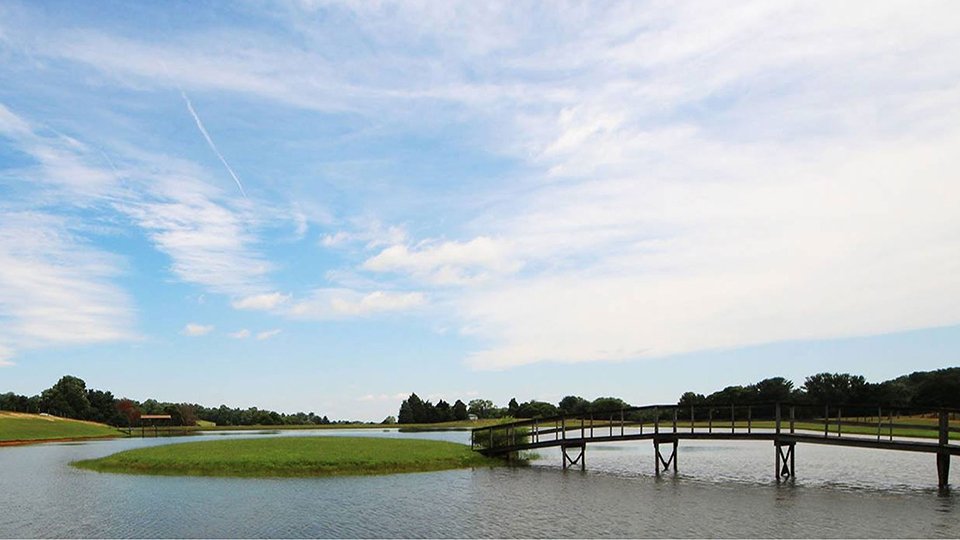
x=581 y=459
x=943 y=457
x=785 y=466
x=659 y=460
x=943 y=470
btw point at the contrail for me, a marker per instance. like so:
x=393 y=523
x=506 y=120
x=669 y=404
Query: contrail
x=210 y=142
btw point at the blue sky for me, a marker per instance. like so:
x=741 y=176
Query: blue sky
x=325 y=206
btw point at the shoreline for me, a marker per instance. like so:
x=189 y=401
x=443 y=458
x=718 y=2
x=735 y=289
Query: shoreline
x=27 y=442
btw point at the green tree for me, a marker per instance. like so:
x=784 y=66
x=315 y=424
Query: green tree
x=513 y=408
x=606 y=404
x=773 y=390
x=460 y=410
x=691 y=399
x=536 y=409
x=480 y=407
x=835 y=388
x=68 y=397
x=443 y=412
x=574 y=405
x=405 y=416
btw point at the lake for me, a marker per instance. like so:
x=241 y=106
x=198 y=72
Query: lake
x=723 y=489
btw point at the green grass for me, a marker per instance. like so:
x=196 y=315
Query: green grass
x=292 y=457
x=34 y=427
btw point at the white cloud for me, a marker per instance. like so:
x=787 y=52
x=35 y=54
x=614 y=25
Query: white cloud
x=262 y=302
x=55 y=289
x=208 y=243
x=240 y=334
x=699 y=176
x=448 y=263
x=370 y=232
x=208 y=236
x=341 y=303
x=399 y=396
x=5 y=355
x=194 y=329
x=267 y=334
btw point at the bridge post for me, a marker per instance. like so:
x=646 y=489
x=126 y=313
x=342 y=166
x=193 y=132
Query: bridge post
x=777 y=417
x=658 y=457
x=784 y=462
x=793 y=418
x=581 y=456
x=943 y=455
x=733 y=419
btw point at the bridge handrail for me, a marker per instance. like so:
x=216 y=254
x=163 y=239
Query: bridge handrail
x=783 y=405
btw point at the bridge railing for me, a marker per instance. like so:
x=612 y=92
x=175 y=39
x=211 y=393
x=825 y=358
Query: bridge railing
x=846 y=420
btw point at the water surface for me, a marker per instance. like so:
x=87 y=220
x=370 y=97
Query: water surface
x=723 y=489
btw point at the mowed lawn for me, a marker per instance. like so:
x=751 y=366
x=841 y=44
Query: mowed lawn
x=292 y=456
x=32 y=427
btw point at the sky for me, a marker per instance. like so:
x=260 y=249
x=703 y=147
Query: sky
x=325 y=206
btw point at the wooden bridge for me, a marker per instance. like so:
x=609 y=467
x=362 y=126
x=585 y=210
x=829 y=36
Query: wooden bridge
x=888 y=428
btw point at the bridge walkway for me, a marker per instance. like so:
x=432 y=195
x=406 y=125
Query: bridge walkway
x=896 y=429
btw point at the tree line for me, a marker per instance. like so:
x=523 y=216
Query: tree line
x=70 y=398
x=939 y=388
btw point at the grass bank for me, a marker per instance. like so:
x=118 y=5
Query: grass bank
x=292 y=457
x=22 y=428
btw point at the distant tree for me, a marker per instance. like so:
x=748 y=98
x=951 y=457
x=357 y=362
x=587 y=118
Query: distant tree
x=574 y=405
x=188 y=414
x=481 y=407
x=443 y=412
x=389 y=420
x=536 y=409
x=176 y=418
x=604 y=404
x=513 y=407
x=835 y=388
x=68 y=397
x=102 y=407
x=18 y=403
x=733 y=394
x=941 y=389
x=691 y=399
x=460 y=410
x=774 y=389
x=405 y=416
x=129 y=411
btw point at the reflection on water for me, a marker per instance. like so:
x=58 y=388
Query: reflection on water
x=722 y=489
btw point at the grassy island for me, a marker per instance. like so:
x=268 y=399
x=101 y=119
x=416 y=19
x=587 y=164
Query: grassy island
x=291 y=457
x=23 y=428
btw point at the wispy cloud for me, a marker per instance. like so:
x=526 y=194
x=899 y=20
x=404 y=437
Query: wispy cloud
x=240 y=334
x=343 y=303
x=195 y=329
x=267 y=334
x=448 y=263
x=55 y=289
x=399 y=396
x=210 y=142
x=688 y=177
x=262 y=302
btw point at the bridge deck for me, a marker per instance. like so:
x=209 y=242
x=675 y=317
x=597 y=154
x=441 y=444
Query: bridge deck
x=783 y=438
x=669 y=424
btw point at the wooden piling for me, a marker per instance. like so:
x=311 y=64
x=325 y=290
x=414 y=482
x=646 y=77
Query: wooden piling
x=943 y=455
